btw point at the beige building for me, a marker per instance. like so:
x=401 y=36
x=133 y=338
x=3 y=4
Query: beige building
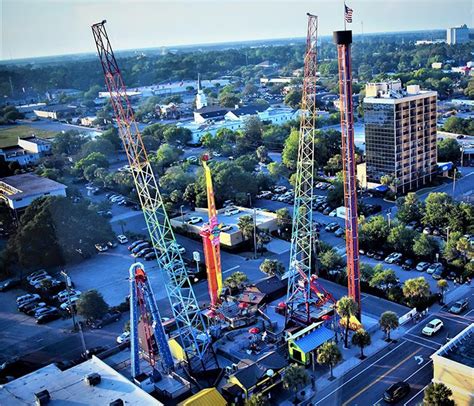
x=453 y=365
x=400 y=134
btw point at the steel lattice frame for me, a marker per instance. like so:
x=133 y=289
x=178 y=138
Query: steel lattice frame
x=183 y=302
x=299 y=297
x=344 y=39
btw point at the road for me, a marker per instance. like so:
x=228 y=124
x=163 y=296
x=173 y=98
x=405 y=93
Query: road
x=406 y=360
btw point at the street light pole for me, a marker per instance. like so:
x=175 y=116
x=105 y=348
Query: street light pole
x=250 y=199
x=69 y=304
x=255 y=232
x=388 y=219
x=182 y=216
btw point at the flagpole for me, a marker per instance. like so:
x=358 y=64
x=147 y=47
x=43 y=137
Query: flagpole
x=344 y=16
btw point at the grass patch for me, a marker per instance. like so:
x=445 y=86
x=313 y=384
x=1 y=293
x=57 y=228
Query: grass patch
x=9 y=135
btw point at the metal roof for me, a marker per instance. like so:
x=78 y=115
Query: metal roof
x=314 y=339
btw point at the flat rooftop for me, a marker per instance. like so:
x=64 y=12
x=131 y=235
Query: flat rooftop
x=460 y=349
x=17 y=186
x=68 y=387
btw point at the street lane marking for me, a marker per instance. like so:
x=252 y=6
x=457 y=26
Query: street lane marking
x=423 y=345
x=381 y=377
x=361 y=372
x=416 y=394
x=425 y=339
x=419 y=359
x=451 y=317
x=231 y=269
x=418 y=370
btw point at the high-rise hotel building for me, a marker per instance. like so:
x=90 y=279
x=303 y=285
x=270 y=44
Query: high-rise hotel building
x=400 y=134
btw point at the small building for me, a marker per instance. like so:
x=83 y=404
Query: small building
x=205 y=397
x=453 y=365
x=92 y=382
x=242 y=112
x=18 y=191
x=27 y=151
x=55 y=111
x=279 y=80
x=272 y=287
x=436 y=65
x=254 y=377
x=303 y=344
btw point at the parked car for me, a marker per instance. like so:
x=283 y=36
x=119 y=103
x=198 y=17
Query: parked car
x=36 y=274
x=44 y=309
x=362 y=252
x=112 y=244
x=107 y=319
x=9 y=284
x=378 y=255
x=62 y=296
x=122 y=239
x=124 y=337
x=451 y=276
x=228 y=203
x=27 y=298
x=134 y=244
x=408 y=264
x=331 y=227
x=333 y=213
x=393 y=258
x=264 y=194
x=226 y=228
x=101 y=247
x=459 y=306
x=31 y=308
x=37 y=281
x=139 y=247
x=194 y=220
x=438 y=274
x=370 y=253
x=422 y=266
x=279 y=189
x=179 y=247
x=192 y=159
x=396 y=392
x=339 y=232
x=231 y=211
x=427 y=230
x=434 y=267
x=143 y=252
x=72 y=301
x=150 y=255
x=432 y=327
x=49 y=316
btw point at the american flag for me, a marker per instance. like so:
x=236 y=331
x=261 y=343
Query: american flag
x=348 y=13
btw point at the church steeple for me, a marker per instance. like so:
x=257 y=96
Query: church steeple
x=201 y=100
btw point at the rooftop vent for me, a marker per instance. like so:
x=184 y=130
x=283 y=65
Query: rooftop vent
x=92 y=379
x=42 y=398
x=117 y=402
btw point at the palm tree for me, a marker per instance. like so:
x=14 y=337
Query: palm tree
x=329 y=354
x=416 y=291
x=295 y=378
x=442 y=286
x=388 y=322
x=362 y=339
x=438 y=394
x=272 y=267
x=257 y=400
x=346 y=307
x=235 y=280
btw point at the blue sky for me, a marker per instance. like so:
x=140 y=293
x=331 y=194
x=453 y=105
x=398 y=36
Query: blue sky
x=51 y=27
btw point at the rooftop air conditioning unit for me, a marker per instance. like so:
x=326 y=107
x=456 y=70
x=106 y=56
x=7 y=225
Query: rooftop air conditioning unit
x=92 y=379
x=42 y=398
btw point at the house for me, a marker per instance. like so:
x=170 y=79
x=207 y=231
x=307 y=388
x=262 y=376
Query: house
x=272 y=287
x=254 y=377
x=18 y=191
x=303 y=344
x=210 y=113
x=27 y=151
x=205 y=397
x=55 y=111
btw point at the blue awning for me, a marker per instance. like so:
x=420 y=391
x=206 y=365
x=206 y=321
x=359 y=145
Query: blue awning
x=445 y=166
x=314 y=339
x=380 y=188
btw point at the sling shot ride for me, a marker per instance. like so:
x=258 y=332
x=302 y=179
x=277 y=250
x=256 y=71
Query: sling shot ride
x=193 y=333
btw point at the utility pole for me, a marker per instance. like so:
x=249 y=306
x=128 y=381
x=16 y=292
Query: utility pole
x=255 y=232
x=182 y=216
x=388 y=219
x=69 y=304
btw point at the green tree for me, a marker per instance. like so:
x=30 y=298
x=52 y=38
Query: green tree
x=443 y=287
x=113 y=137
x=274 y=136
x=416 y=291
x=295 y=378
x=95 y=158
x=449 y=150
x=330 y=260
x=257 y=399
x=361 y=339
x=388 y=322
x=290 y=150
x=373 y=233
x=165 y=156
x=336 y=194
x=246 y=225
x=229 y=100
x=100 y=145
x=409 y=208
x=424 y=246
x=251 y=137
x=67 y=231
x=401 y=239
x=438 y=394
x=91 y=305
x=438 y=207
x=384 y=279
x=68 y=143
x=235 y=280
x=272 y=267
x=175 y=135
x=329 y=354
x=346 y=307
x=293 y=98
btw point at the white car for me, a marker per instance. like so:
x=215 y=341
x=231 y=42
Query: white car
x=432 y=327
x=264 y=194
x=39 y=279
x=62 y=296
x=191 y=158
x=36 y=274
x=122 y=239
x=194 y=220
x=393 y=257
x=280 y=189
x=333 y=213
x=180 y=248
x=65 y=305
x=124 y=337
x=231 y=211
x=226 y=228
